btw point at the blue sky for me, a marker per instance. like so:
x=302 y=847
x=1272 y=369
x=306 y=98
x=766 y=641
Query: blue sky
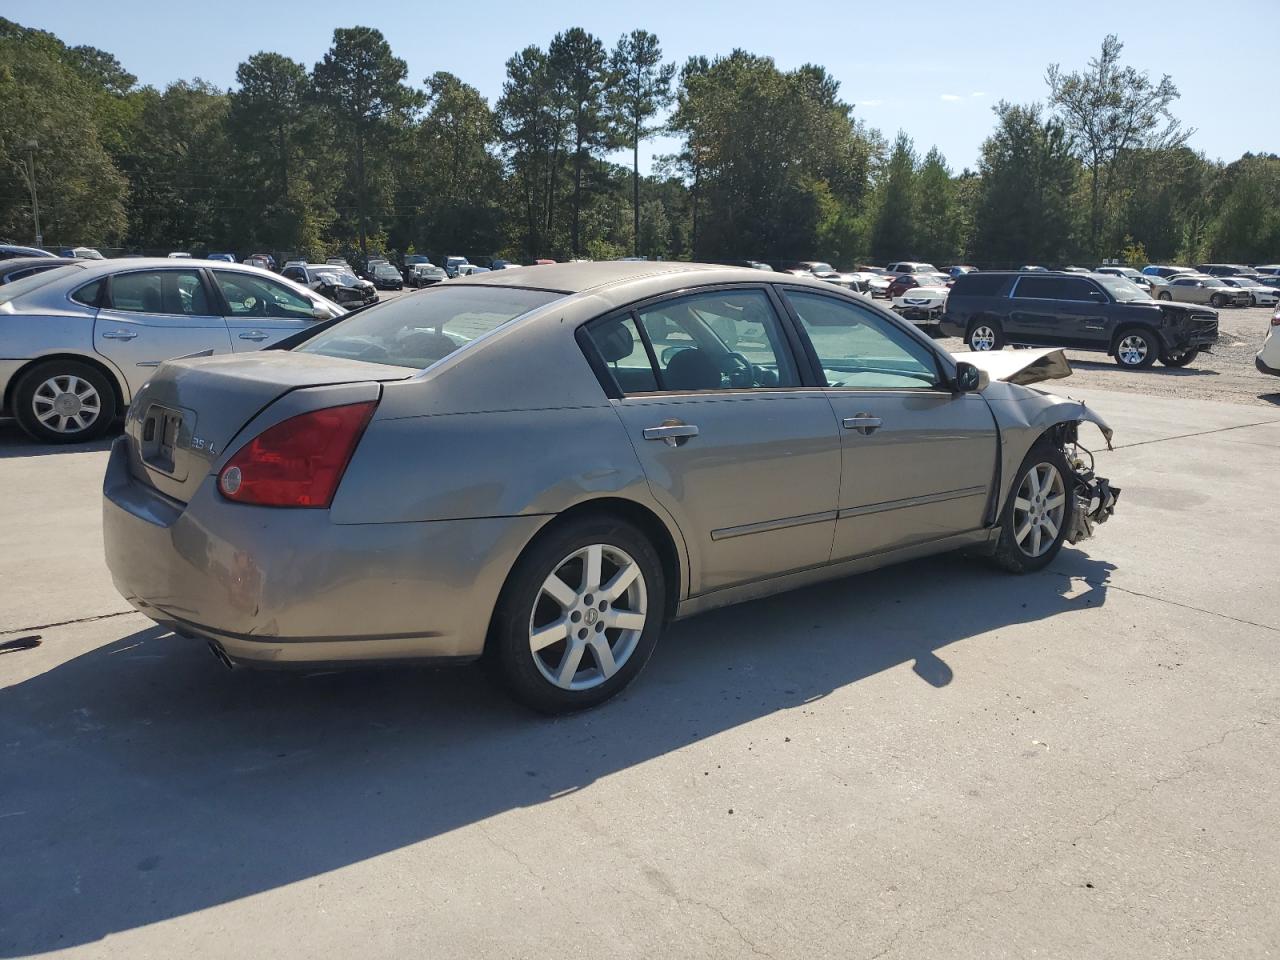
x=933 y=69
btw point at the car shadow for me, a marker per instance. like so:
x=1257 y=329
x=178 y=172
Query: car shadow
x=1270 y=398
x=1156 y=369
x=143 y=782
x=14 y=443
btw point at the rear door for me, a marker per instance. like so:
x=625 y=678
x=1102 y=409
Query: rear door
x=744 y=458
x=918 y=460
x=1035 y=311
x=155 y=315
x=259 y=311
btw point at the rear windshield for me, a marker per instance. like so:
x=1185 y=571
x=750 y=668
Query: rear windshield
x=18 y=288
x=418 y=330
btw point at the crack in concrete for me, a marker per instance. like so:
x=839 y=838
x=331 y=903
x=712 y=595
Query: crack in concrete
x=68 y=623
x=512 y=854
x=747 y=941
x=1184 y=436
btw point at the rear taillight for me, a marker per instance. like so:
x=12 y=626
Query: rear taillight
x=298 y=462
x=1275 y=319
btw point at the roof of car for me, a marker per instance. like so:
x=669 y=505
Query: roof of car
x=579 y=277
x=95 y=267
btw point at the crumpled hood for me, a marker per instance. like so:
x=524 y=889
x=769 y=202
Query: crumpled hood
x=1020 y=366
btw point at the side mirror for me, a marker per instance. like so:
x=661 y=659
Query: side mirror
x=319 y=313
x=969 y=379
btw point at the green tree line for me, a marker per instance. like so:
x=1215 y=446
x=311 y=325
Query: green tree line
x=352 y=155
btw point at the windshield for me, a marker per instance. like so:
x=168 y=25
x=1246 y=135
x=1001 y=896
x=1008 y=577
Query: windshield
x=326 y=270
x=385 y=270
x=1121 y=289
x=1213 y=282
x=822 y=268
x=419 y=330
x=18 y=288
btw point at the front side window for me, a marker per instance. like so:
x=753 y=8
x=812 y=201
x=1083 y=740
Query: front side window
x=176 y=292
x=1081 y=290
x=857 y=348
x=724 y=340
x=420 y=330
x=251 y=296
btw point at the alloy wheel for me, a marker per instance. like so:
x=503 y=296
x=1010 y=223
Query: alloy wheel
x=1038 y=509
x=588 y=617
x=1132 y=350
x=982 y=338
x=66 y=404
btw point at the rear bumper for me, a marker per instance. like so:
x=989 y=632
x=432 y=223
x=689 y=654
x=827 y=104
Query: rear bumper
x=1264 y=367
x=278 y=587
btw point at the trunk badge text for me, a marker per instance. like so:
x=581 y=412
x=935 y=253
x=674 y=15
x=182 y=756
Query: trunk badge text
x=198 y=443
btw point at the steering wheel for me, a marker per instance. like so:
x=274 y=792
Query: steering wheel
x=740 y=371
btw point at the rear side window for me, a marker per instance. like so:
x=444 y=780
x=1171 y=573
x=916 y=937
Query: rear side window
x=978 y=285
x=90 y=294
x=171 y=292
x=623 y=351
x=420 y=330
x=1038 y=288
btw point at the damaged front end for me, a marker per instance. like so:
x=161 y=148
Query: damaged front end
x=1094 y=496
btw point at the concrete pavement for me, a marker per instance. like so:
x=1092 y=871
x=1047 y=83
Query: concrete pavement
x=935 y=760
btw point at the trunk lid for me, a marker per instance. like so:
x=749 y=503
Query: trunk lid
x=187 y=415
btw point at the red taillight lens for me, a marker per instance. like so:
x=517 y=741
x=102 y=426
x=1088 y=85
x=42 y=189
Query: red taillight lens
x=298 y=462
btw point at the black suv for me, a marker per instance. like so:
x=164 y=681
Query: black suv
x=1080 y=311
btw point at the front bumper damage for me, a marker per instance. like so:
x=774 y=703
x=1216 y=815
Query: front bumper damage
x=1095 y=497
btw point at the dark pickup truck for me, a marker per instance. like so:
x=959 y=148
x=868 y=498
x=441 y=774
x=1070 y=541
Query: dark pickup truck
x=1078 y=311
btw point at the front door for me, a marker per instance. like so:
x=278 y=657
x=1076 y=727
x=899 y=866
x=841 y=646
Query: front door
x=745 y=460
x=152 y=316
x=918 y=459
x=260 y=310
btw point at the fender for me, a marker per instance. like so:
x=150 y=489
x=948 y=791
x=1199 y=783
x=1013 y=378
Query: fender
x=1025 y=415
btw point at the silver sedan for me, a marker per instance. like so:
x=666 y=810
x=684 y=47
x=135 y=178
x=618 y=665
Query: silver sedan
x=78 y=341
x=544 y=467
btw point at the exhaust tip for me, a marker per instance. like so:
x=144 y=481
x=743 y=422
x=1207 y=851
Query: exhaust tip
x=220 y=655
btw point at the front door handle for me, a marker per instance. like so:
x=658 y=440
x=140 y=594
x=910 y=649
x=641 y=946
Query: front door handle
x=119 y=335
x=671 y=432
x=253 y=335
x=864 y=423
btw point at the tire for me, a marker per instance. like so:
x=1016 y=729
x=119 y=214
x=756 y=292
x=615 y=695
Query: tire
x=1216 y=301
x=1180 y=358
x=1025 y=555
x=64 y=401
x=1135 y=349
x=984 y=335
x=539 y=678
x=1164 y=295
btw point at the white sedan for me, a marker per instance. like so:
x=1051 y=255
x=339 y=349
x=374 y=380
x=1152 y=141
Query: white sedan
x=1261 y=296
x=922 y=305
x=1268 y=358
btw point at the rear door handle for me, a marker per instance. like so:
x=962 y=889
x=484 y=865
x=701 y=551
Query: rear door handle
x=671 y=433
x=119 y=335
x=864 y=423
x=253 y=335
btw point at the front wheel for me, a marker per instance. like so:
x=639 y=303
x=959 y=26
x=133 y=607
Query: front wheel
x=579 y=616
x=1217 y=300
x=983 y=336
x=1164 y=295
x=64 y=401
x=1136 y=350
x=1180 y=358
x=1038 y=513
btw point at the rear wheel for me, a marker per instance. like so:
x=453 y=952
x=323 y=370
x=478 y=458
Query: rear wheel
x=64 y=401
x=1164 y=295
x=1136 y=349
x=1217 y=300
x=984 y=335
x=1180 y=358
x=579 y=616
x=1038 y=513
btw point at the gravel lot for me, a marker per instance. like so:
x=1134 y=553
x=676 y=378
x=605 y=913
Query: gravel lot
x=1226 y=374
